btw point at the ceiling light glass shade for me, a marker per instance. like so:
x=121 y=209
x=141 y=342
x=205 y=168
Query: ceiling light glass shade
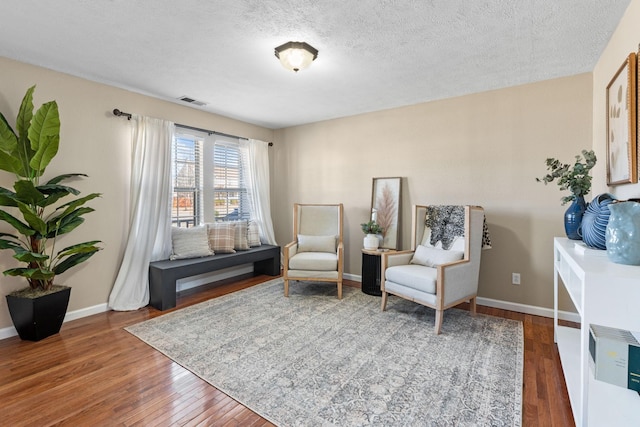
x=296 y=56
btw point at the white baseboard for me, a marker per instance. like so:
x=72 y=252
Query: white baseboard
x=528 y=309
x=181 y=285
x=8 y=332
x=507 y=305
x=353 y=277
x=71 y=315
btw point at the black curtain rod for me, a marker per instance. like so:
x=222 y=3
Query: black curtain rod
x=119 y=113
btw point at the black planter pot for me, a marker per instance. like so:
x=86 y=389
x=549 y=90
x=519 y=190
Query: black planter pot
x=41 y=317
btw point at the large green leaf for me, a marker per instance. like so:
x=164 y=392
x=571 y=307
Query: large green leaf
x=44 y=135
x=68 y=224
x=47 y=150
x=61 y=220
x=54 y=193
x=73 y=260
x=10 y=244
x=61 y=178
x=32 y=218
x=20 y=227
x=21 y=271
x=30 y=273
x=8 y=198
x=70 y=206
x=27 y=193
x=8 y=147
x=8 y=138
x=10 y=163
x=79 y=248
x=73 y=205
x=27 y=256
x=24 y=152
x=25 y=114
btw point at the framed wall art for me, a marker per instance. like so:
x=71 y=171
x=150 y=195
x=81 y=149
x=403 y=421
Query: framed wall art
x=622 y=123
x=385 y=209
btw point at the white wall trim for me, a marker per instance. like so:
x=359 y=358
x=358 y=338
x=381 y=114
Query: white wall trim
x=354 y=277
x=71 y=315
x=528 y=309
x=507 y=305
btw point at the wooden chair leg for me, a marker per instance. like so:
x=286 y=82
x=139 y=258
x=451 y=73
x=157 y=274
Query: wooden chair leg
x=439 y=316
x=472 y=306
x=286 y=287
x=340 y=290
x=384 y=301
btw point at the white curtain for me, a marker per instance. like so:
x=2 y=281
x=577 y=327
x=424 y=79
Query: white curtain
x=150 y=228
x=255 y=160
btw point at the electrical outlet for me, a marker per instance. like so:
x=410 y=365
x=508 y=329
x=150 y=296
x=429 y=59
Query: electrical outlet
x=515 y=278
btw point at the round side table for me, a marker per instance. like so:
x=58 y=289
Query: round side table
x=371 y=271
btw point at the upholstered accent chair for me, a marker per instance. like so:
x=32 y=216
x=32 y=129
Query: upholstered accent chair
x=442 y=268
x=317 y=253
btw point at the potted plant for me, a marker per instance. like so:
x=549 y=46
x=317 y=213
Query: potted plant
x=371 y=229
x=577 y=180
x=35 y=211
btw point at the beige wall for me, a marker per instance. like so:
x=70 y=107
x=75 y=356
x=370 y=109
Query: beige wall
x=483 y=149
x=624 y=41
x=95 y=142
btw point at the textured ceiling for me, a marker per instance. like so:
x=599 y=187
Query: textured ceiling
x=374 y=54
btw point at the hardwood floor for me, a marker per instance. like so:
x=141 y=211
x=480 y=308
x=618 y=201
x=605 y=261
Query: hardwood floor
x=93 y=373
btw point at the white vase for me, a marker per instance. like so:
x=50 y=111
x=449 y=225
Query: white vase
x=371 y=242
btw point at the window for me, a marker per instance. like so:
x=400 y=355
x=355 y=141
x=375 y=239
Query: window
x=208 y=182
x=230 y=193
x=187 y=181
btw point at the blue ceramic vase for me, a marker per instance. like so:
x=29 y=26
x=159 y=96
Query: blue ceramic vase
x=595 y=220
x=573 y=218
x=623 y=233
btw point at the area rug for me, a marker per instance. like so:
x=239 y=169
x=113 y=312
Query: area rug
x=314 y=360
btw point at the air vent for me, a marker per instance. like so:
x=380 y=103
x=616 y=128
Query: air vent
x=192 y=101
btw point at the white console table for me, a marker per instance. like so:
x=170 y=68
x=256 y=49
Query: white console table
x=603 y=293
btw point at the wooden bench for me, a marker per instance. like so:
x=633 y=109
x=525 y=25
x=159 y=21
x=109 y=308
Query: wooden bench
x=163 y=274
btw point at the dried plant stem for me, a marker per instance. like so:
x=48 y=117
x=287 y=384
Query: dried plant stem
x=386 y=209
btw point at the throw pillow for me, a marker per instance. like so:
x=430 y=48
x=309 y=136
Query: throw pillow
x=433 y=257
x=189 y=242
x=221 y=237
x=316 y=243
x=253 y=234
x=240 y=242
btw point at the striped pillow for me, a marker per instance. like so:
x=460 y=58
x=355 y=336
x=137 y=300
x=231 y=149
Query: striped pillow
x=253 y=234
x=221 y=237
x=240 y=242
x=189 y=242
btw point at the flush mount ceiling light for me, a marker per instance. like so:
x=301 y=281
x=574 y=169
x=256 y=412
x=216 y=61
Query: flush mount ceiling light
x=296 y=55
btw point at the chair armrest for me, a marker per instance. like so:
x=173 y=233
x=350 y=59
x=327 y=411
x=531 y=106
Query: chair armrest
x=287 y=252
x=457 y=280
x=390 y=259
x=340 y=253
x=290 y=249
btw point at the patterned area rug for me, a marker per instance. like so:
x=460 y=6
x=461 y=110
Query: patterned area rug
x=312 y=360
